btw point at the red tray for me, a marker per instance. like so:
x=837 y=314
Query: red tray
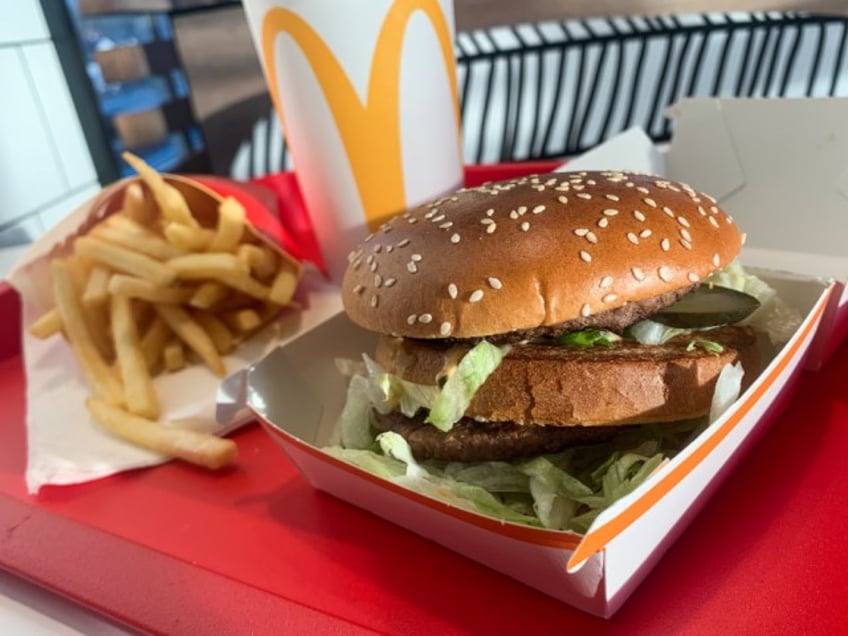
x=255 y=549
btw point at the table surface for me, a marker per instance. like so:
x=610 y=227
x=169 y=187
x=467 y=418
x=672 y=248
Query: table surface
x=257 y=549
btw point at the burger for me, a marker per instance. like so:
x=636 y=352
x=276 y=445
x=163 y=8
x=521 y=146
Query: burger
x=510 y=314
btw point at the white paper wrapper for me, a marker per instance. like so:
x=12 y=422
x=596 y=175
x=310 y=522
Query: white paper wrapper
x=64 y=446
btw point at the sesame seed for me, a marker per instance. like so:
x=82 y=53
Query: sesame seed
x=581 y=231
x=369 y=237
x=713 y=209
x=686 y=244
x=643 y=190
x=683 y=221
x=374 y=301
x=476 y=296
x=665 y=273
x=403 y=243
x=538 y=209
x=609 y=298
x=357 y=264
x=445 y=328
x=584 y=195
x=610 y=212
x=447 y=225
x=412 y=221
x=378 y=248
x=513 y=215
x=702 y=211
x=668 y=211
x=645 y=233
x=633 y=238
x=585 y=256
x=378 y=280
x=490 y=211
x=585 y=311
x=603 y=221
x=411 y=318
x=612 y=197
x=358 y=289
x=425 y=318
x=438 y=219
x=495 y=283
x=693 y=277
x=525 y=226
x=411 y=267
x=713 y=222
x=649 y=201
x=716 y=260
x=454 y=238
x=539 y=187
x=452 y=291
x=370 y=259
x=606 y=281
x=638 y=215
x=522 y=209
x=590 y=236
x=389 y=282
x=416 y=258
x=490 y=229
x=685 y=234
x=637 y=272
x=390 y=248
x=373 y=266
x=431 y=213
x=562 y=199
x=486 y=221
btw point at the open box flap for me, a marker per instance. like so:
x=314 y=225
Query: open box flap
x=784 y=181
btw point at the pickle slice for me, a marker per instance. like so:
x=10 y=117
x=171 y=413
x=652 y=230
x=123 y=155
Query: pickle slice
x=708 y=306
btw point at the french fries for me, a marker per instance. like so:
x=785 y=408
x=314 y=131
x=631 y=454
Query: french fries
x=155 y=287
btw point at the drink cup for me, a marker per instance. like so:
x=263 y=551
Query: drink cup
x=367 y=95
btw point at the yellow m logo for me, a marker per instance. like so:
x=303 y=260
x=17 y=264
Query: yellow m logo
x=370 y=132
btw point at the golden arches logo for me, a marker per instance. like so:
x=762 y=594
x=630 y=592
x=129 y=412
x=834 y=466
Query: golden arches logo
x=370 y=132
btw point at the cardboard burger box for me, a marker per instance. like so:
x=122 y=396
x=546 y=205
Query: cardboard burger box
x=784 y=183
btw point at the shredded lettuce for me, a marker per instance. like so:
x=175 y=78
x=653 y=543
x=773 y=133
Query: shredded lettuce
x=648 y=332
x=453 y=399
x=589 y=338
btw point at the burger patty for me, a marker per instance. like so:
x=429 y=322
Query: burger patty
x=473 y=441
x=615 y=320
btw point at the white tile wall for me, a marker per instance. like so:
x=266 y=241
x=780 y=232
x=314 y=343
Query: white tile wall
x=22 y=21
x=45 y=167
x=52 y=94
x=30 y=171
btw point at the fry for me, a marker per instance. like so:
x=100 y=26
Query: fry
x=49 y=323
x=174 y=356
x=153 y=342
x=230 y=229
x=187 y=238
x=125 y=232
x=207 y=295
x=261 y=260
x=138 y=385
x=137 y=206
x=145 y=290
x=171 y=202
x=217 y=330
x=243 y=320
x=94 y=367
x=225 y=268
x=282 y=289
x=196 y=448
x=124 y=260
x=193 y=335
x=96 y=289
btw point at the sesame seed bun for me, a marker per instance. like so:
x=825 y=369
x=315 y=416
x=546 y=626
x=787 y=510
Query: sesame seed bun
x=534 y=252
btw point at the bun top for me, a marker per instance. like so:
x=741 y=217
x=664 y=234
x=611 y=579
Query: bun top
x=533 y=252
